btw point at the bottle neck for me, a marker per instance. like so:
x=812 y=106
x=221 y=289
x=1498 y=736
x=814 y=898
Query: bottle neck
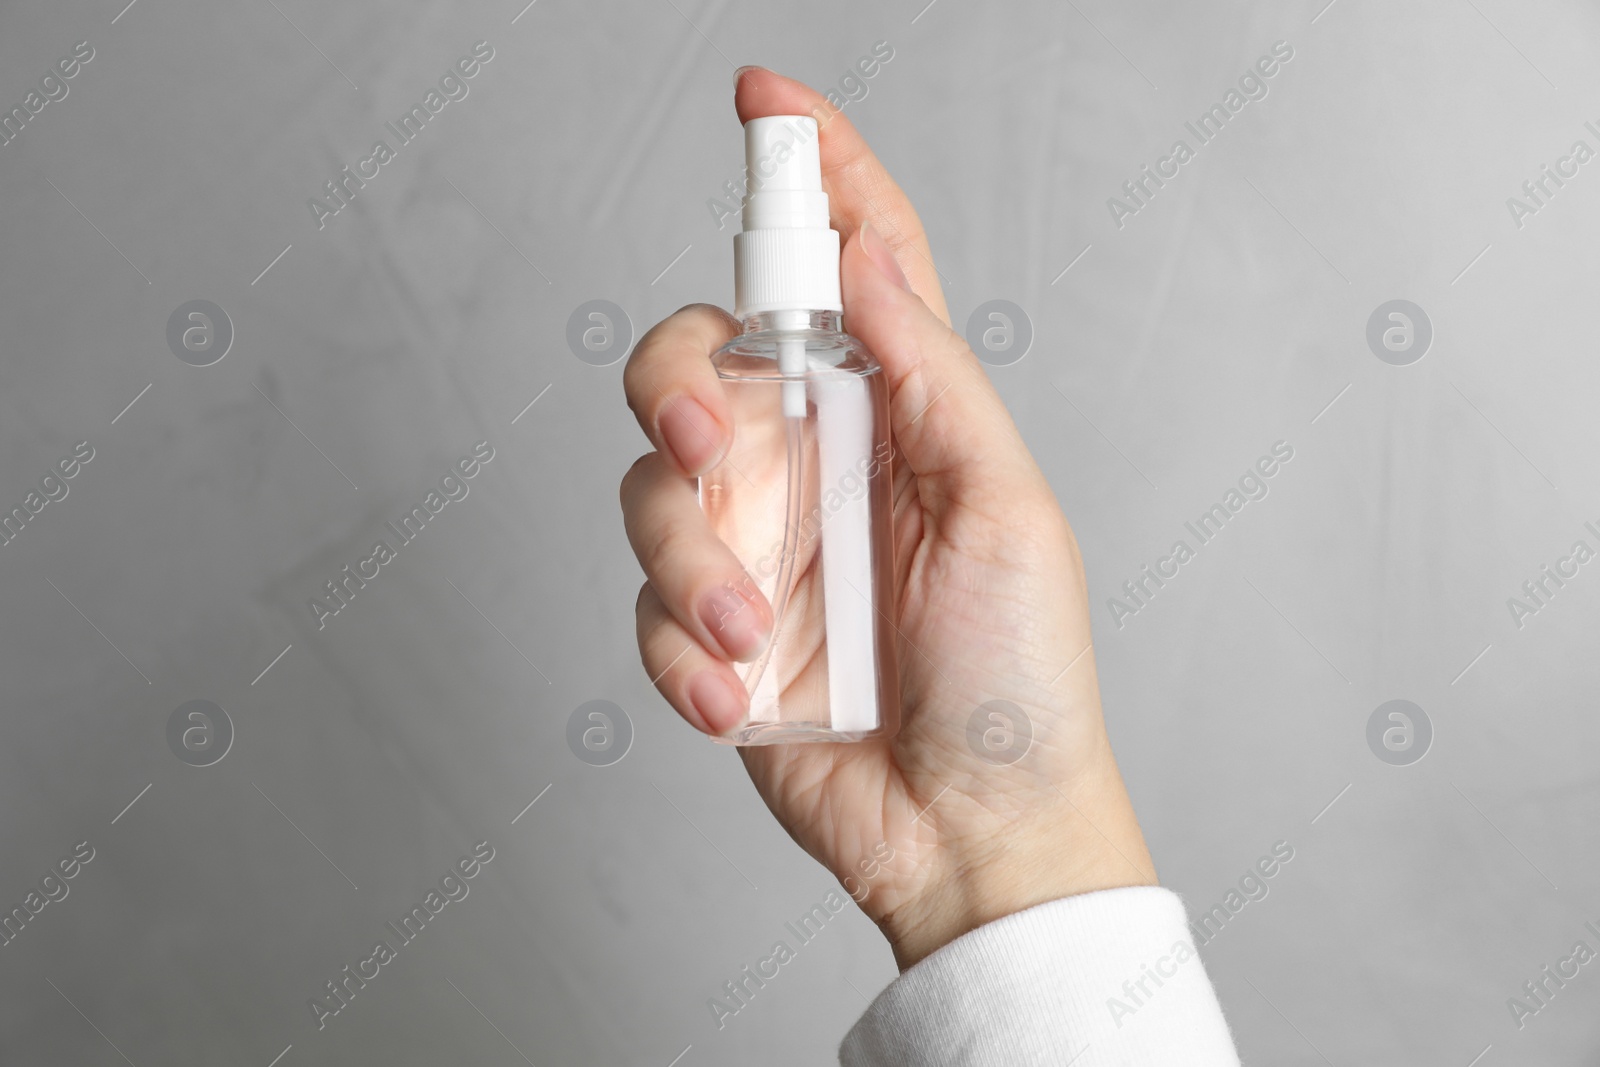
x=802 y=319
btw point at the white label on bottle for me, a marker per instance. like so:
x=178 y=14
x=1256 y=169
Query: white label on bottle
x=844 y=440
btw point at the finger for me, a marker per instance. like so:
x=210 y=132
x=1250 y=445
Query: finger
x=859 y=188
x=702 y=688
x=674 y=392
x=951 y=426
x=697 y=576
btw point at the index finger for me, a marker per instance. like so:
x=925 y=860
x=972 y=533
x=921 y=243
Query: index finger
x=859 y=188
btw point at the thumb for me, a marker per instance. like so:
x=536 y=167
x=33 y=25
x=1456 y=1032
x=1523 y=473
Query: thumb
x=950 y=426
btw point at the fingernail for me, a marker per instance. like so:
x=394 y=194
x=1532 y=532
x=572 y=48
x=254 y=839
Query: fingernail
x=735 y=623
x=690 y=433
x=720 y=704
x=740 y=73
x=877 y=250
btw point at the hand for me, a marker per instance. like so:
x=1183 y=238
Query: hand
x=991 y=602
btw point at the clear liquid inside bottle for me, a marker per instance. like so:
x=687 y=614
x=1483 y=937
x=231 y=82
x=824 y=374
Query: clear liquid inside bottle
x=803 y=497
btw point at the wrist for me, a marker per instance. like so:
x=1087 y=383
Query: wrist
x=1084 y=841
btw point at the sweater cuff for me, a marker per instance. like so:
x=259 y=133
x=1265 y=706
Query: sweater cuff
x=1105 y=979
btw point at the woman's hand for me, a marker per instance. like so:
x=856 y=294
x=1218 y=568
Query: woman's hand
x=930 y=832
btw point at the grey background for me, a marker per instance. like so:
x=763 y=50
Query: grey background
x=424 y=318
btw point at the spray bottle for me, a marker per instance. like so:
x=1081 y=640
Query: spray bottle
x=803 y=495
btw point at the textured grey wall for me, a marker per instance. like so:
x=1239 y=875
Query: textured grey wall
x=1229 y=312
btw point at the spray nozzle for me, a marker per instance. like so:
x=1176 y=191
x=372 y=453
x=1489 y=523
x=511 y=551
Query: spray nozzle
x=787 y=258
x=783 y=159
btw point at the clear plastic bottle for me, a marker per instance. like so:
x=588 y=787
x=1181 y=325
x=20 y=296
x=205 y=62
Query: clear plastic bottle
x=804 y=494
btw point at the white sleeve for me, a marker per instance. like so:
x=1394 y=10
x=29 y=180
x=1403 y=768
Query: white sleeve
x=1106 y=979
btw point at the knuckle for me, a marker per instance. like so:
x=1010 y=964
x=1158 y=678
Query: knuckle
x=635 y=478
x=633 y=381
x=666 y=546
x=702 y=310
x=632 y=474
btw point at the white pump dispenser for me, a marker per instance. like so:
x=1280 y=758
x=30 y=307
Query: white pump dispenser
x=787 y=258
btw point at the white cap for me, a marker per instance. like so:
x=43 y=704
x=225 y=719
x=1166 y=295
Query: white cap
x=787 y=258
